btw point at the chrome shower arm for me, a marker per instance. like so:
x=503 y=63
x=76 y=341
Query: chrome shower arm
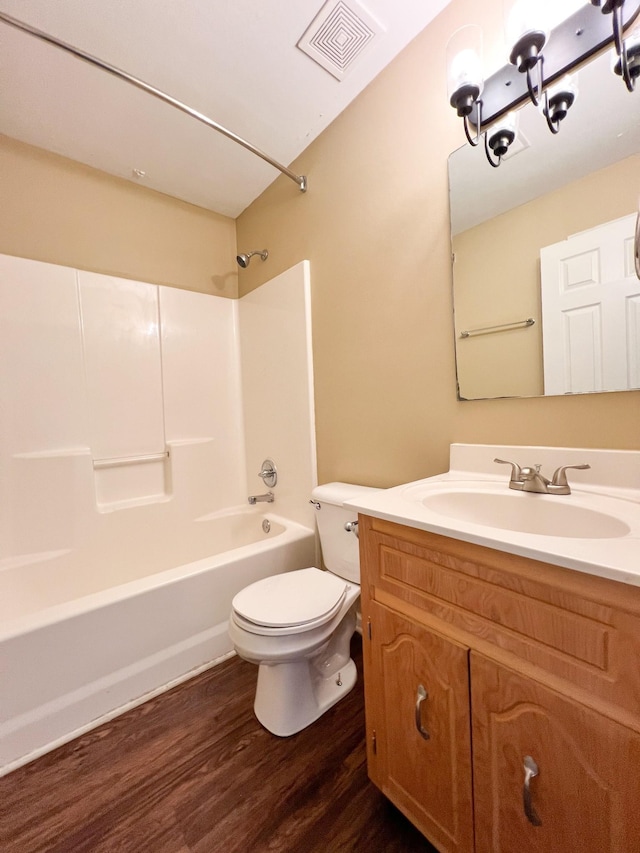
x=301 y=180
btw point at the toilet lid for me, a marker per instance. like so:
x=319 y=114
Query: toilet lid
x=292 y=598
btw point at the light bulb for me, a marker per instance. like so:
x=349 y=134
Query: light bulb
x=525 y=17
x=531 y=16
x=464 y=68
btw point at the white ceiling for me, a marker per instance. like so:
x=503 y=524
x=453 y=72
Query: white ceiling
x=236 y=61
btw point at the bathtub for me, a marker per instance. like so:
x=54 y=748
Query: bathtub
x=87 y=634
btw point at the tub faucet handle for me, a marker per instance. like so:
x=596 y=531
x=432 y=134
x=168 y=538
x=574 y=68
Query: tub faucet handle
x=269 y=473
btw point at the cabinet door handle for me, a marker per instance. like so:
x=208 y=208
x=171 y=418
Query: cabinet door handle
x=530 y=770
x=422 y=696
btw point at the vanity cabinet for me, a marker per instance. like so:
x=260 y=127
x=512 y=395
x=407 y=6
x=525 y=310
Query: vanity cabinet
x=502 y=696
x=426 y=770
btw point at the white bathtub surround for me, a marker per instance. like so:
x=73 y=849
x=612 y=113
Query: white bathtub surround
x=92 y=364
x=124 y=527
x=120 y=326
x=275 y=329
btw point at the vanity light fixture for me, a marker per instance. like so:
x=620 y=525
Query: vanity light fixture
x=627 y=51
x=545 y=49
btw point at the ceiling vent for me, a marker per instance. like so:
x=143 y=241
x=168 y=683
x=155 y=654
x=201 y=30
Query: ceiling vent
x=338 y=35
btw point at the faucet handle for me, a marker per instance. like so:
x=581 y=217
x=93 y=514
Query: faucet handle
x=560 y=477
x=516 y=471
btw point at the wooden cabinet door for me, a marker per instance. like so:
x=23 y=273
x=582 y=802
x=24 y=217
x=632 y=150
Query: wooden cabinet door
x=586 y=796
x=418 y=712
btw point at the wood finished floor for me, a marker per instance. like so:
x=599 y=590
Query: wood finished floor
x=192 y=771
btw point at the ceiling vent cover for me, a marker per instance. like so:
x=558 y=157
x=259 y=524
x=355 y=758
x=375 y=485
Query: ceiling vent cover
x=338 y=35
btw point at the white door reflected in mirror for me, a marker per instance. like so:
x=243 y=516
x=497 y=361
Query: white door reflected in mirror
x=591 y=311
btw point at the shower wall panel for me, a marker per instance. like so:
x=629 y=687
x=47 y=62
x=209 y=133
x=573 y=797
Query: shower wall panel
x=277 y=382
x=202 y=391
x=121 y=343
x=42 y=403
x=95 y=368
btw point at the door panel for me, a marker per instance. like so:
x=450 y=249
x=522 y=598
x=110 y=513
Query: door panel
x=583 y=797
x=423 y=738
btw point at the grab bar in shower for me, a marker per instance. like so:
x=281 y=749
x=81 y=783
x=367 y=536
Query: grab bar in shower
x=300 y=180
x=118 y=461
x=487 y=330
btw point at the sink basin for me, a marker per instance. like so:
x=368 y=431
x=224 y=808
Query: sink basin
x=542 y=515
x=595 y=529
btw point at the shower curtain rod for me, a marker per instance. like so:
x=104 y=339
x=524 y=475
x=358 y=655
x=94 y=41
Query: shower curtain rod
x=301 y=180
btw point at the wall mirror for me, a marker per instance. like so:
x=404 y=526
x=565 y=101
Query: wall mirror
x=546 y=299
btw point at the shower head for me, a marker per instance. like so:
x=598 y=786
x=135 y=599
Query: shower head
x=245 y=259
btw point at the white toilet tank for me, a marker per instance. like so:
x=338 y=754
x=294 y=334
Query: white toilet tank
x=340 y=552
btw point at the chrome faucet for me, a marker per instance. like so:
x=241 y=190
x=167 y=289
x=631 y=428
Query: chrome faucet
x=534 y=481
x=268 y=498
x=531 y=480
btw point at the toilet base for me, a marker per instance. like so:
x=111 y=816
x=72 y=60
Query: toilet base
x=291 y=696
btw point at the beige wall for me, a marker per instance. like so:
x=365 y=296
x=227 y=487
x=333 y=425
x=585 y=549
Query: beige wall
x=374 y=225
x=497 y=277
x=59 y=211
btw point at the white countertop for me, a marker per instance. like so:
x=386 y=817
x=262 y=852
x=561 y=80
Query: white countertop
x=611 y=486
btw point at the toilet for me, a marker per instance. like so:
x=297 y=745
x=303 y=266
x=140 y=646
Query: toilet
x=297 y=626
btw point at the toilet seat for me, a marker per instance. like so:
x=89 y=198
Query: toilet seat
x=289 y=603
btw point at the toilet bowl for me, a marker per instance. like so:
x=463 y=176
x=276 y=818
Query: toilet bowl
x=297 y=626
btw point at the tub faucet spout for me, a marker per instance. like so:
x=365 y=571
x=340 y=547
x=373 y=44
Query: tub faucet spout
x=268 y=498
